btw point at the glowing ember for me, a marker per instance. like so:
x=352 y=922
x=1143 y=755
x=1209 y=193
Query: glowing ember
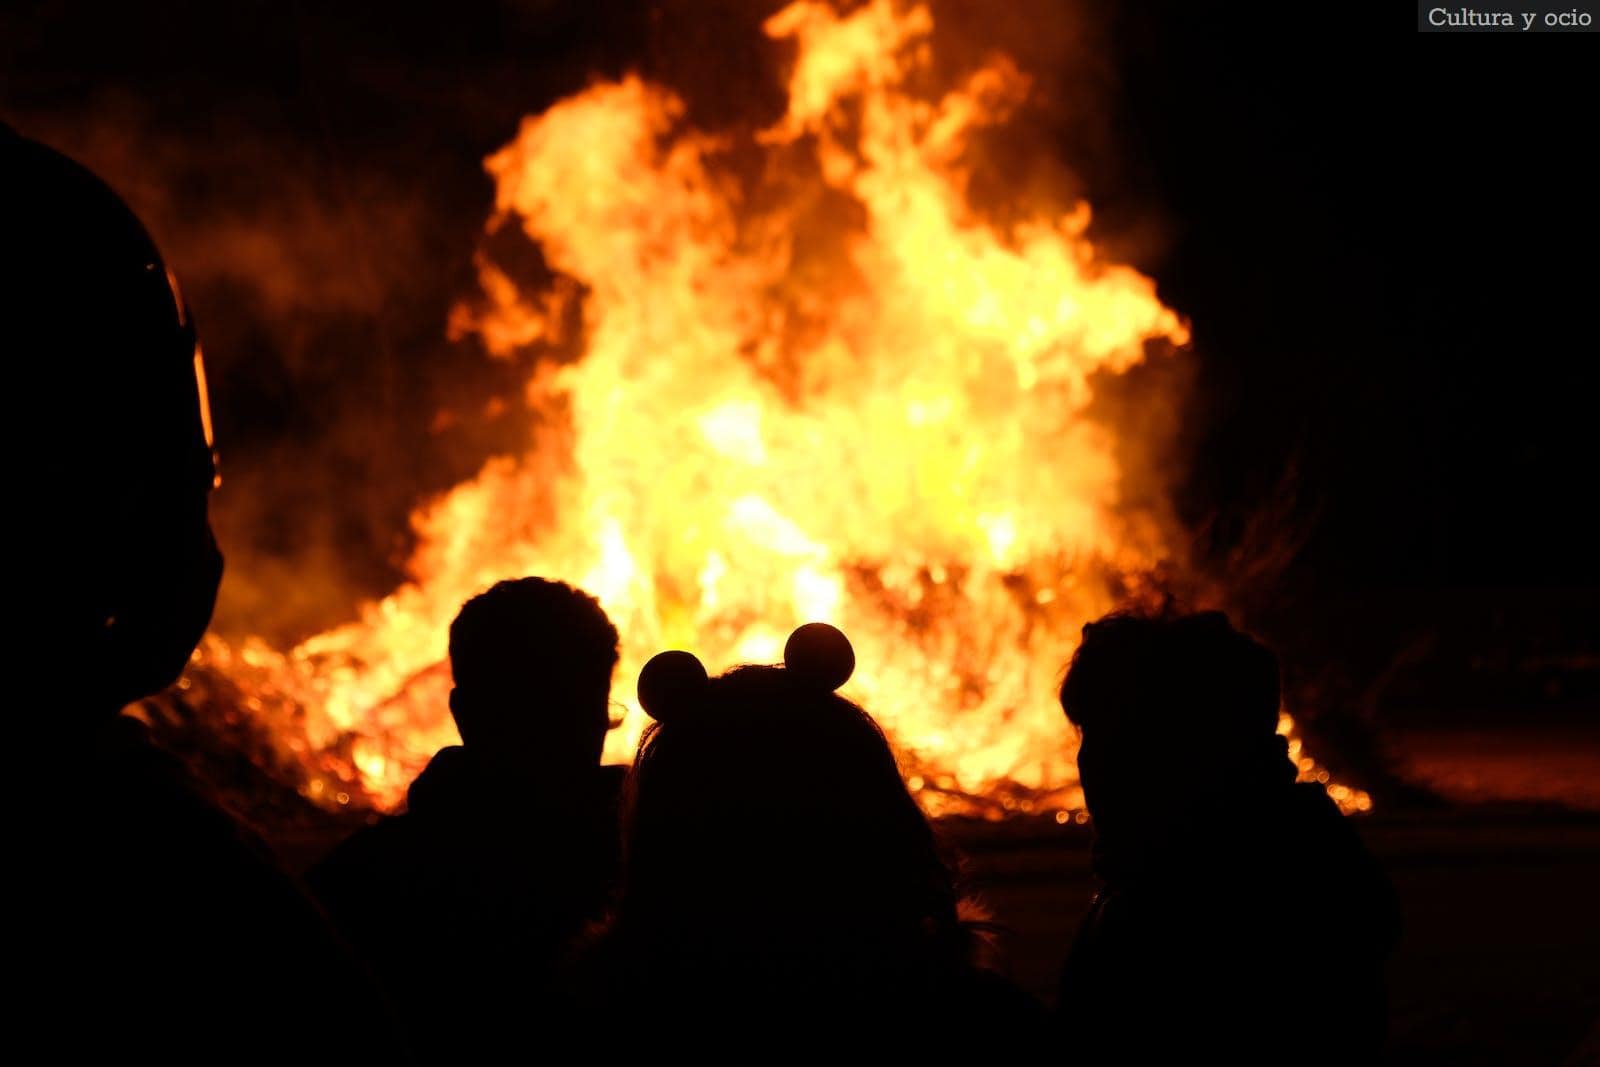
x=833 y=391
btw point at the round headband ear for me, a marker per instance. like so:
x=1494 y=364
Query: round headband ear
x=819 y=656
x=671 y=684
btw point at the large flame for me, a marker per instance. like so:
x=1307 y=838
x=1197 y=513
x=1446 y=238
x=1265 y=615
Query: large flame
x=830 y=391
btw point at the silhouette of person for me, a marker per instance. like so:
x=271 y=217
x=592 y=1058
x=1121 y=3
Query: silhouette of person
x=782 y=889
x=509 y=844
x=146 y=923
x=1240 y=918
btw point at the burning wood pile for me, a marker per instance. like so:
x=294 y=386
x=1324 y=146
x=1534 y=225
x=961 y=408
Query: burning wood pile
x=797 y=372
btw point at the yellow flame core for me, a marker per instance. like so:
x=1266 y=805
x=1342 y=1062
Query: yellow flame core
x=838 y=395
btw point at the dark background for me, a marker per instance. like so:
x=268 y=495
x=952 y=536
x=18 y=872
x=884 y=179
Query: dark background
x=1384 y=242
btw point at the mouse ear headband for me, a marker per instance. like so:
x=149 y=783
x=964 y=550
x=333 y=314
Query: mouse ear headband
x=817 y=657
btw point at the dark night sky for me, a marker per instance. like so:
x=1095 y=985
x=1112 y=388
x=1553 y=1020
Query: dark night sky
x=1385 y=242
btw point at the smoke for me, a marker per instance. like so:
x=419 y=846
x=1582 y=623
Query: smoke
x=318 y=190
x=312 y=293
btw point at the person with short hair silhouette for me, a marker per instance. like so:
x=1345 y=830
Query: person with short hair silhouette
x=1240 y=918
x=508 y=846
x=147 y=925
x=782 y=887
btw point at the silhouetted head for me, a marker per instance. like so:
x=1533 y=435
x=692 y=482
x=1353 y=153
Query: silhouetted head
x=1172 y=712
x=532 y=662
x=768 y=811
x=115 y=465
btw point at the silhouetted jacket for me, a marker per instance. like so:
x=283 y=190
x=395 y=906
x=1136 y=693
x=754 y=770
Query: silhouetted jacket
x=148 y=926
x=465 y=902
x=1257 y=934
x=754 y=994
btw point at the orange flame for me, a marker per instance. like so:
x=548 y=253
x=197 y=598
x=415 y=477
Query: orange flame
x=832 y=392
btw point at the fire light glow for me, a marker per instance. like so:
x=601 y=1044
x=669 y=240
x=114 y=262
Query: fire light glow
x=834 y=391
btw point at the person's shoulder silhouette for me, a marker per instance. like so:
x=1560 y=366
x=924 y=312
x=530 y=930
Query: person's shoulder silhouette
x=150 y=922
x=1239 y=914
x=508 y=847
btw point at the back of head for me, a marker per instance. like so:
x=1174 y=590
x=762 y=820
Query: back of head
x=1171 y=707
x=769 y=818
x=114 y=460
x=1212 y=853
x=532 y=661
